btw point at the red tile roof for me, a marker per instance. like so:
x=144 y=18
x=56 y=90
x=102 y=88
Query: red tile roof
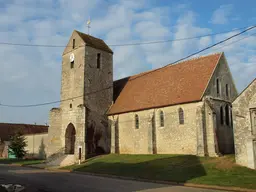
x=174 y=84
x=8 y=129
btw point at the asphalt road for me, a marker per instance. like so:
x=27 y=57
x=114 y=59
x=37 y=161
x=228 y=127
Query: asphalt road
x=38 y=180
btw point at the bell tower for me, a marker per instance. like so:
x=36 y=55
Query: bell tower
x=86 y=95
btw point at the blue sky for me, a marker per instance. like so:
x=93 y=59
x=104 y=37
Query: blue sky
x=31 y=75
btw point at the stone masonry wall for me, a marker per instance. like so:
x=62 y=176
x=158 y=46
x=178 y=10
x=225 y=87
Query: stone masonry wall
x=243 y=134
x=54 y=141
x=224 y=132
x=173 y=138
x=98 y=97
x=222 y=72
x=210 y=130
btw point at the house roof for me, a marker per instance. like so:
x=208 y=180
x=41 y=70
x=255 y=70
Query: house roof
x=251 y=83
x=173 y=84
x=94 y=42
x=9 y=129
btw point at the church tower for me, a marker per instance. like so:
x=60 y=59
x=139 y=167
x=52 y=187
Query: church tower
x=81 y=123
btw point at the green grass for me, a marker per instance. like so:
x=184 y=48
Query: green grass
x=20 y=161
x=179 y=168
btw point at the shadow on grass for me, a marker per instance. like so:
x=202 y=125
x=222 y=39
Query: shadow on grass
x=176 y=168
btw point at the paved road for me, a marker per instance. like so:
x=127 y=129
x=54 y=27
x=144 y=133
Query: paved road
x=38 y=180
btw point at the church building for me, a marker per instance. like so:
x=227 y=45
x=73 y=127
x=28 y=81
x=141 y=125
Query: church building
x=182 y=108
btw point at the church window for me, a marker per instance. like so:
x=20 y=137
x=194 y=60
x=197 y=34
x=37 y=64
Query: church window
x=227 y=114
x=231 y=117
x=253 y=120
x=161 y=119
x=218 y=87
x=254 y=124
x=136 y=121
x=98 y=60
x=181 y=116
x=74 y=43
x=72 y=64
x=227 y=90
x=221 y=116
x=70 y=105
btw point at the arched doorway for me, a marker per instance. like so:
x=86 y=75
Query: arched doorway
x=70 y=138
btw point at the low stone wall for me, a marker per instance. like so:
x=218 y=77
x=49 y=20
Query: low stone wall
x=36 y=145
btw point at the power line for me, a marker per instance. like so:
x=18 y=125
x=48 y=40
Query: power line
x=180 y=39
x=231 y=37
x=225 y=45
x=126 y=44
x=193 y=54
x=146 y=73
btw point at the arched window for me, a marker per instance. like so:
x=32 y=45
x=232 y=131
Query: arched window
x=227 y=114
x=98 y=60
x=136 y=121
x=181 y=116
x=227 y=91
x=218 y=87
x=161 y=118
x=221 y=116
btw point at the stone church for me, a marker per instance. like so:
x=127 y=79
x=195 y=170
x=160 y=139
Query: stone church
x=184 y=108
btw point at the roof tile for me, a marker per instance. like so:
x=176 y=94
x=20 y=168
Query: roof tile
x=174 y=84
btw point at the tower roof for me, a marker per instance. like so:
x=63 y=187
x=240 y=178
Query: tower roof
x=94 y=42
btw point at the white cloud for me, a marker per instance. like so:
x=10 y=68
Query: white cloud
x=33 y=74
x=222 y=14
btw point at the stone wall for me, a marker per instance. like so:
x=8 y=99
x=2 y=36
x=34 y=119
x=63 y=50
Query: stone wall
x=54 y=141
x=36 y=145
x=98 y=98
x=223 y=74
x=224 y=132
x=172 y=138
x=243 y=134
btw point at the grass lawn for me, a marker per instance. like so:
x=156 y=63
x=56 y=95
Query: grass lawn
x=20 y=161
x=179 y=168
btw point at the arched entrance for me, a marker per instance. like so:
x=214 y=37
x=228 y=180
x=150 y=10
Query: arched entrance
x=70 y=138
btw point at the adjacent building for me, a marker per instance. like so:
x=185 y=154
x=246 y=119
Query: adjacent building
x=244 y=110
x=36 y=138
